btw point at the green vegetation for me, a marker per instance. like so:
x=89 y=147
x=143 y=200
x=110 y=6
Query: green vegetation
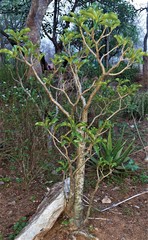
x=113 y=154
x=141 y=178
x=5 y=179
x=1 y=237
x=137 y=105
x=17 y=227
x=23 y=145
x=71 y=101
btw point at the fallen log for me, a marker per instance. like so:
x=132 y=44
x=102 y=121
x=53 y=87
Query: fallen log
x=47 y=212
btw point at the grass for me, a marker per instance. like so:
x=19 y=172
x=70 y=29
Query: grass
x=17 y=227
x=127 y=211
x=1 y=236
x=141 y=178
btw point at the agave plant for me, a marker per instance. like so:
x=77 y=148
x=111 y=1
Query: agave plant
x=114 y=154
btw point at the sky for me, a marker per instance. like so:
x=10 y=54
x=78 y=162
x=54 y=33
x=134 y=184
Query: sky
x=142 y=18
x=140 y=1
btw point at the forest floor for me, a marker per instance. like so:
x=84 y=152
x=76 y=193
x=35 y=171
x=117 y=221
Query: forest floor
x=127 y=221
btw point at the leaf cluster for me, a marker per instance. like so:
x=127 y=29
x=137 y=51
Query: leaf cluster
x=23 y=46
x=17 y=227
x=113 y=154
x=137 y=105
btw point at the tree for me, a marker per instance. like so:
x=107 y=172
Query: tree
x=13 y=15
x=145 y=58
x=74 y=134
x=48 y=14
x=16 y=15
x=34 y=21
x=52 y=25
x=35 y=17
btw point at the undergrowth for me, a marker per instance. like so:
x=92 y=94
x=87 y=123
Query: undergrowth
x=137 y=105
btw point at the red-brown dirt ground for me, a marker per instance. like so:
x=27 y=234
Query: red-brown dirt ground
x=128 y=221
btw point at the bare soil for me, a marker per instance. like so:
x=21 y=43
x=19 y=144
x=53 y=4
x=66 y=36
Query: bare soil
x=128 y=221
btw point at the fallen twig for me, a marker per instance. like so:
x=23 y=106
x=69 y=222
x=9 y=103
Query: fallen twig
x=119 y=203
x=104 y=219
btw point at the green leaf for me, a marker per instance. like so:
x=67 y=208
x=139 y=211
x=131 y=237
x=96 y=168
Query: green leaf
x=109 y=141
x=97 y=150
x=68 y=19
x=25 y=31
x=7 y=51
x=110 y=20
x=41 y=124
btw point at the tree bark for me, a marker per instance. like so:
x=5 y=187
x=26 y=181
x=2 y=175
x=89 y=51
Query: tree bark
x=107 y=49
x=79 y=186
x=79 y=177
x=145 y=58
x=145 y=72
x=34 y=21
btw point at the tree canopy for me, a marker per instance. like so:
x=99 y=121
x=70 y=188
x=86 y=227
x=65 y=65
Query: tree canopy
x=14 y=15
x=74 y=134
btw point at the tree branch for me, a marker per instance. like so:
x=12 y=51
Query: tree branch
x=119 y=203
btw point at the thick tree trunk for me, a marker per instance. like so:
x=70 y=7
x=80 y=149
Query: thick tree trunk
x=145 y=72
x=145 y=59
x=34 y=21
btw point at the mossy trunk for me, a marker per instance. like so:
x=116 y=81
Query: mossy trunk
x=79 y=185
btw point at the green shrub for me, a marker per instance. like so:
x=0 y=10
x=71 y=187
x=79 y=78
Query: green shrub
x=137 y=105
x=114 y=154
x=17 y=227
x=22 y=143
x=130 y=73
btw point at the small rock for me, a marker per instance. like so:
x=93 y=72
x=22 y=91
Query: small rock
x=10 y=212
x=12 y=203
x=146 y=158
x=48 y=189
x=106 y=199
x=2 y=183
x=116 y=188
x=136 y=206
x=54 y=172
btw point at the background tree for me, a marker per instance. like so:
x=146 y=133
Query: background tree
x=145 y=48
x=34 y=21
x=145 y=39
x=52 y=25
x=13 y=15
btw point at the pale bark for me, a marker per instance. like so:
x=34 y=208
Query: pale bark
x=34 y=21
x=79 y=177
x=35 y=17
x=79 y=186
x=47 y=213
x=107 y=49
